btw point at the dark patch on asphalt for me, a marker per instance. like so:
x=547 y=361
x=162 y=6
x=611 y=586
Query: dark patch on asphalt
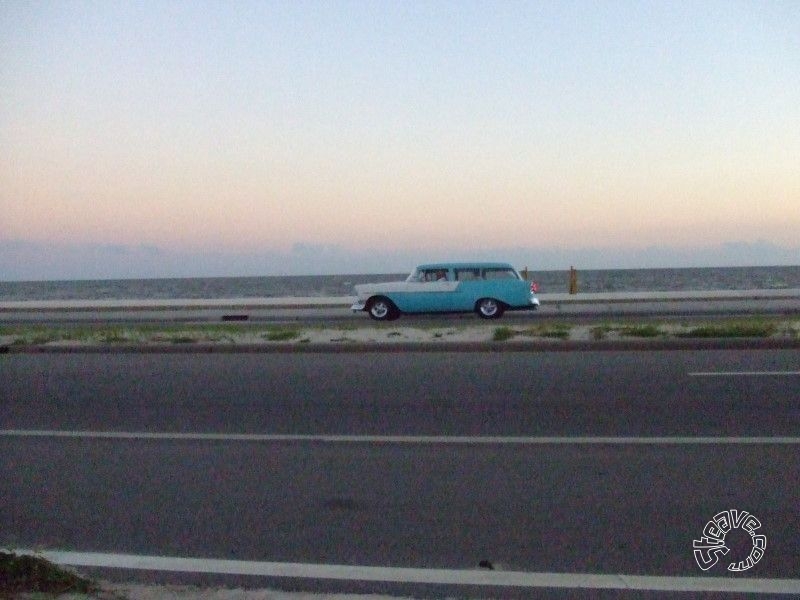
x=343 y=503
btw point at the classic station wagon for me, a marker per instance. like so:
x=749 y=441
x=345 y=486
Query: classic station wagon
x=489 y=289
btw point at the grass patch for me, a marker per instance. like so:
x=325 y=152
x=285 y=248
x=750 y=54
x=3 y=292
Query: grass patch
x=501 y=334
x=23 y=336
x=642 y=331
x=280 y=335
x=560 y=334
x=32 y=574
x=645 y=330
x=175 y=338
x=114 y=336
x=737 y=329
x=185 y=334
x=210 y=329
x=559 y=331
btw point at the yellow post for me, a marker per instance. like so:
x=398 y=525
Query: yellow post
x=573 y=281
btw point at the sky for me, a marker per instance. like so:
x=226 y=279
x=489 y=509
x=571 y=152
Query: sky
x=150 y=138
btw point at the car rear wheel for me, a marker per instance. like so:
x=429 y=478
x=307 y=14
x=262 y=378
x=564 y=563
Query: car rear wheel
x=489 y=308
x=382 y=309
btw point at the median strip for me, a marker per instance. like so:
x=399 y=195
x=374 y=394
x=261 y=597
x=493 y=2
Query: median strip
x=549 y=333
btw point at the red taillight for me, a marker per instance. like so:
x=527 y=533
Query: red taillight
x=534 y=287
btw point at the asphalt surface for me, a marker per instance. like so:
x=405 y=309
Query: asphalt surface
x=598 y=509
x=410 y=393
x=336 y=309
x=489 y=468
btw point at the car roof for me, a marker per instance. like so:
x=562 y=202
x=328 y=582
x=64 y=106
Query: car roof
x=466 y=265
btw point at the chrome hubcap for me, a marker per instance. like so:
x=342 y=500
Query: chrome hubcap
x=488 y=307
x=379 y=310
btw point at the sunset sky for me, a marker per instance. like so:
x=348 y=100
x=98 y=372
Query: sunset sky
x=199 y=138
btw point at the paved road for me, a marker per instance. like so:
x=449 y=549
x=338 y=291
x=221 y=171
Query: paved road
x=635 y=305
x=426 y=393
x=524 y=503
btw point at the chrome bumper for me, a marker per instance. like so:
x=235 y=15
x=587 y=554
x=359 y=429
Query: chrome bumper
x=358 y=306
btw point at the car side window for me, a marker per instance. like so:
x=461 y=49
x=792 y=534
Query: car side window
x=468 y=274
x=433 y=275
x=423 y=275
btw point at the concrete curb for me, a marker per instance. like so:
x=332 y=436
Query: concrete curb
x=389 y=347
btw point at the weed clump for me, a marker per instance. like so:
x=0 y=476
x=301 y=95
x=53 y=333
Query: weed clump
x=642 y=331
x=281 y=335
x=501 y=334
x=744 y=329
x=559 y=331
x=31 y=574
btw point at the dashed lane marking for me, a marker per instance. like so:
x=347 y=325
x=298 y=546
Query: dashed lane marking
x=745 y=374
x=400 y=439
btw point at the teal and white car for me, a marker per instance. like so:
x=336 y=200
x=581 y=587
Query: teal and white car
x=488 y=289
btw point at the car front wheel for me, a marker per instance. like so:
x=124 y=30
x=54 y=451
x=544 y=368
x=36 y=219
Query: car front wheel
x=382 y=309
x=489 y=308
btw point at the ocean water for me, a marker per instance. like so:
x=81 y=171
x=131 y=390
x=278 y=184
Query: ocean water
x=610 y=280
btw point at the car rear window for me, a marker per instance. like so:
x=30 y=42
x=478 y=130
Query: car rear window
x=500 y=273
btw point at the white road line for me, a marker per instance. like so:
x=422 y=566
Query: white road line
x=400 y=439
x=746 y=374
x=473 y=577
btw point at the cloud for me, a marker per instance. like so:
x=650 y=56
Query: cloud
x=22 y=260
